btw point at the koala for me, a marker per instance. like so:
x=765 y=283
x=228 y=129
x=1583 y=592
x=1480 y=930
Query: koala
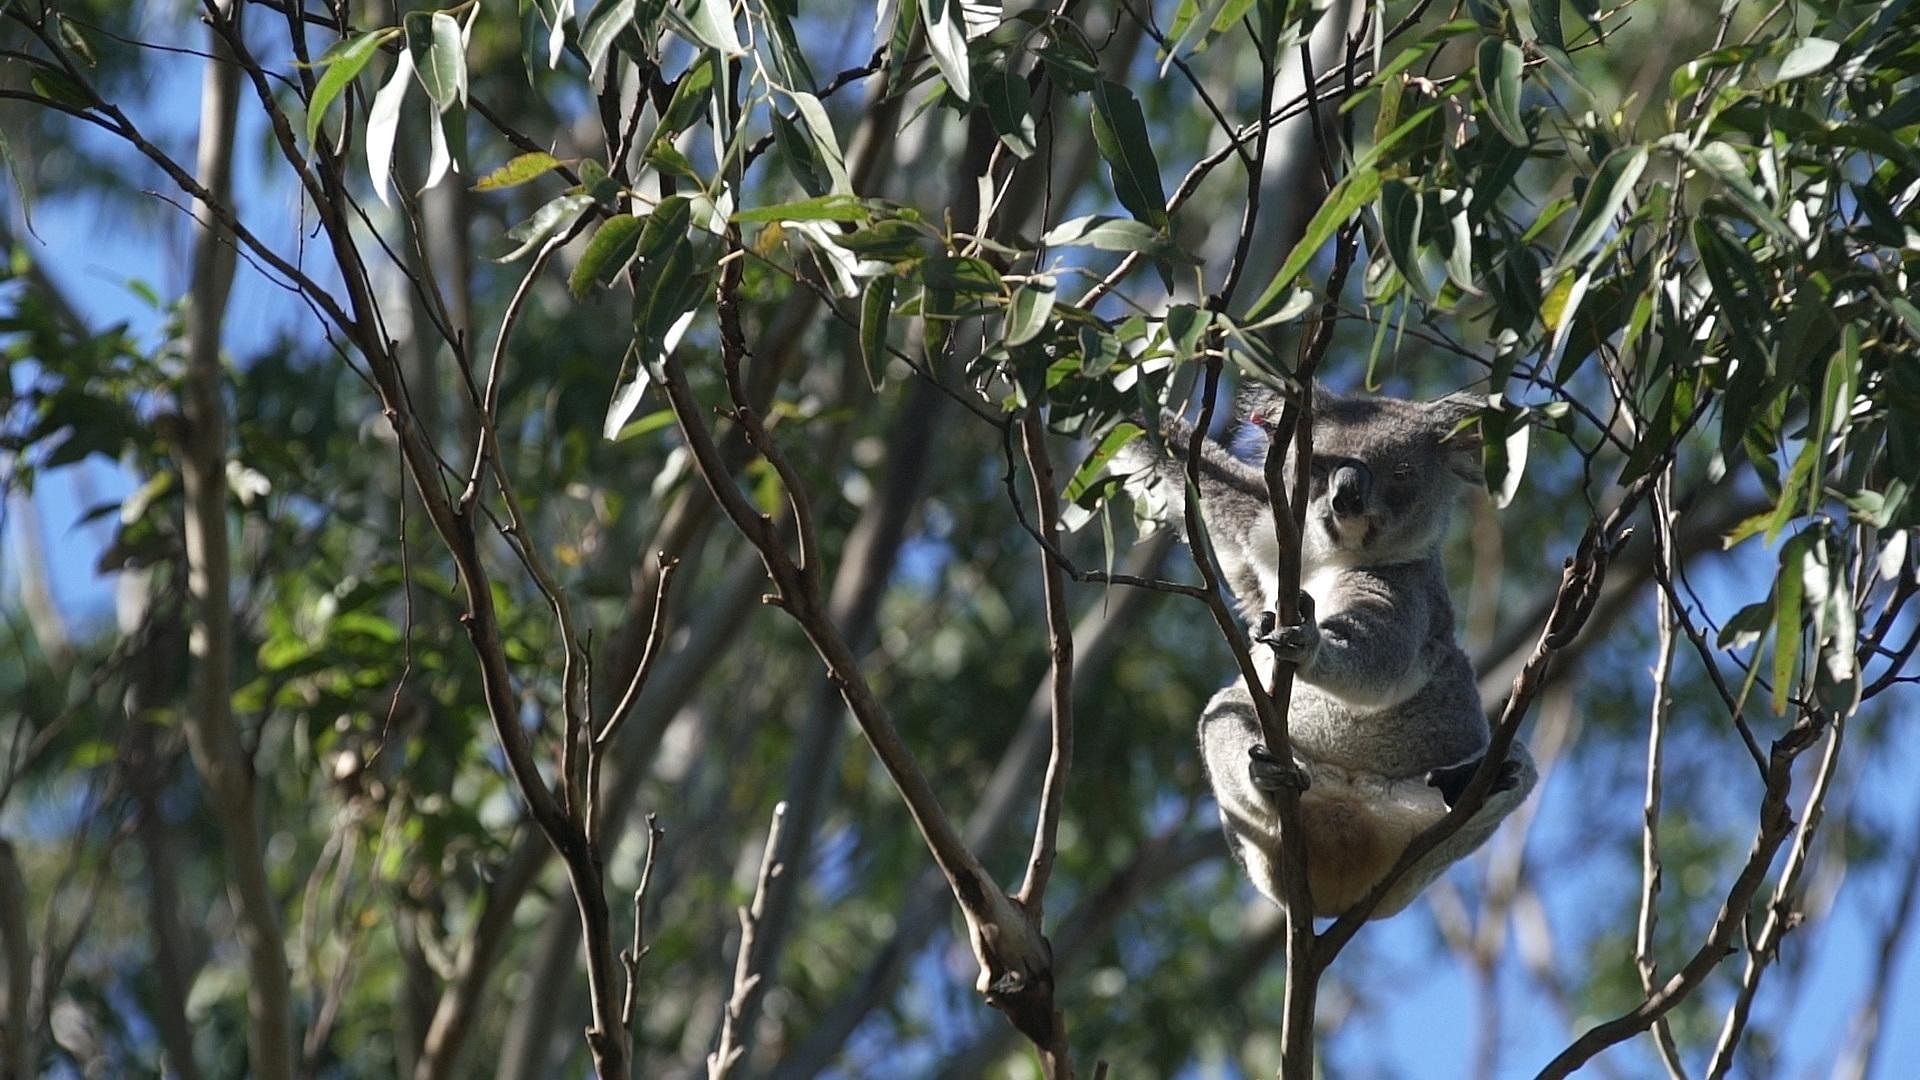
x=1385 y=717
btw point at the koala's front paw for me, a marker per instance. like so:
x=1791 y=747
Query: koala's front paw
x=1271 y=775
x=1452 y=779
x=1294 y=644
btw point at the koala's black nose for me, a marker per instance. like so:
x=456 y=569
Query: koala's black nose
x=1349 y=485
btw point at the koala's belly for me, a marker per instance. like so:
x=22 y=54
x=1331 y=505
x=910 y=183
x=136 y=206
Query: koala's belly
x=1439 y=725
x=1356 y=827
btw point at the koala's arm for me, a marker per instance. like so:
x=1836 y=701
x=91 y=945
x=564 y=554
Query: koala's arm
x=1370 y=639
x=1233 y=501
x=1510 y=790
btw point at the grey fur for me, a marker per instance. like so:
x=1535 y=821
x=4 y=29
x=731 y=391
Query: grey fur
x=1385 y=705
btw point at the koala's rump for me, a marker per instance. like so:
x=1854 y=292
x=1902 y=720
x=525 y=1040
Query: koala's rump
x=1356 y=828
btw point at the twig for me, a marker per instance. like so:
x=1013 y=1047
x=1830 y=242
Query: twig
x=630 y=959
x=720 y=1063
x=1650 y=871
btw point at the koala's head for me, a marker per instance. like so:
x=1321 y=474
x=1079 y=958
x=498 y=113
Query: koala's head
x=1385 y=472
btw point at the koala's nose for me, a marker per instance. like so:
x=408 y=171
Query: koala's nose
x=1349 y=485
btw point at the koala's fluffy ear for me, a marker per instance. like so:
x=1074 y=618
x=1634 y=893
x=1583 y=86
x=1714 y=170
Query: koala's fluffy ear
x=1461 y=445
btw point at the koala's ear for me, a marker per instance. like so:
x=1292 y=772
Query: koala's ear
x=1461 y=445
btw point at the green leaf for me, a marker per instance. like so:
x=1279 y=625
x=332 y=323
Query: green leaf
x=790 y=63
x=711 y=24
x=1009 y=108
x=1120 y=131
x=1028 y=313
x=518 y=171
x=876 y=311
x=1608 y=192
x=1546 y=22
x=1725 y=165
x=1498 y=75
x=534 y=231
x=1185 y=324
x=819 y=208
x=344 y=61
x=689 y=101
x=439 y=58
x=1747 y=626
x=646 y=425
x=1401 y=210
x=947 y=41
x=608 y=253
x=964 y=274
x=1114 y=234
x=609 y=18
x=826 y=145
x=1794 y=557
x=1354 y=191
x=1810 y=57
x=59 y=86
x=1088 y=473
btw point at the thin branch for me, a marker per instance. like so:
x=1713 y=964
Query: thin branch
x=1782 y=914
x=721 y=1061
x=1650 y=870
x=1046 y=830
x=1775 y=823
x=630 y=959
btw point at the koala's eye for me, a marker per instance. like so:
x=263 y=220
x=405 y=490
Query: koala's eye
x=1403 y=470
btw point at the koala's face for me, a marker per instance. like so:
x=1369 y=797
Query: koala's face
x=1384 y=474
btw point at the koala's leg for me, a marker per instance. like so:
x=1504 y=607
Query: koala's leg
x=1245 y=777
x=1511 y=786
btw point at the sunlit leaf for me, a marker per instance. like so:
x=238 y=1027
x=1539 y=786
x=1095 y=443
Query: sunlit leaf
x=440 y=57
x=344 y=61
x=383 y=124
x=518 y=171
x=1027 y=315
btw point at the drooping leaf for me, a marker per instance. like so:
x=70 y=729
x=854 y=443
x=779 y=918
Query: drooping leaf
x=383 y=124
x=947 y=41
x=826 y=144
x=608 y=19
x=1498 y=75
x=1120 y=132
x=876 y=311
x=439 y=57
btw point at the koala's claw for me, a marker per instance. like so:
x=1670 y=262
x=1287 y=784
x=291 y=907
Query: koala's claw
x=1291 y=643
x=1452 y=779
x=1270 y=774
